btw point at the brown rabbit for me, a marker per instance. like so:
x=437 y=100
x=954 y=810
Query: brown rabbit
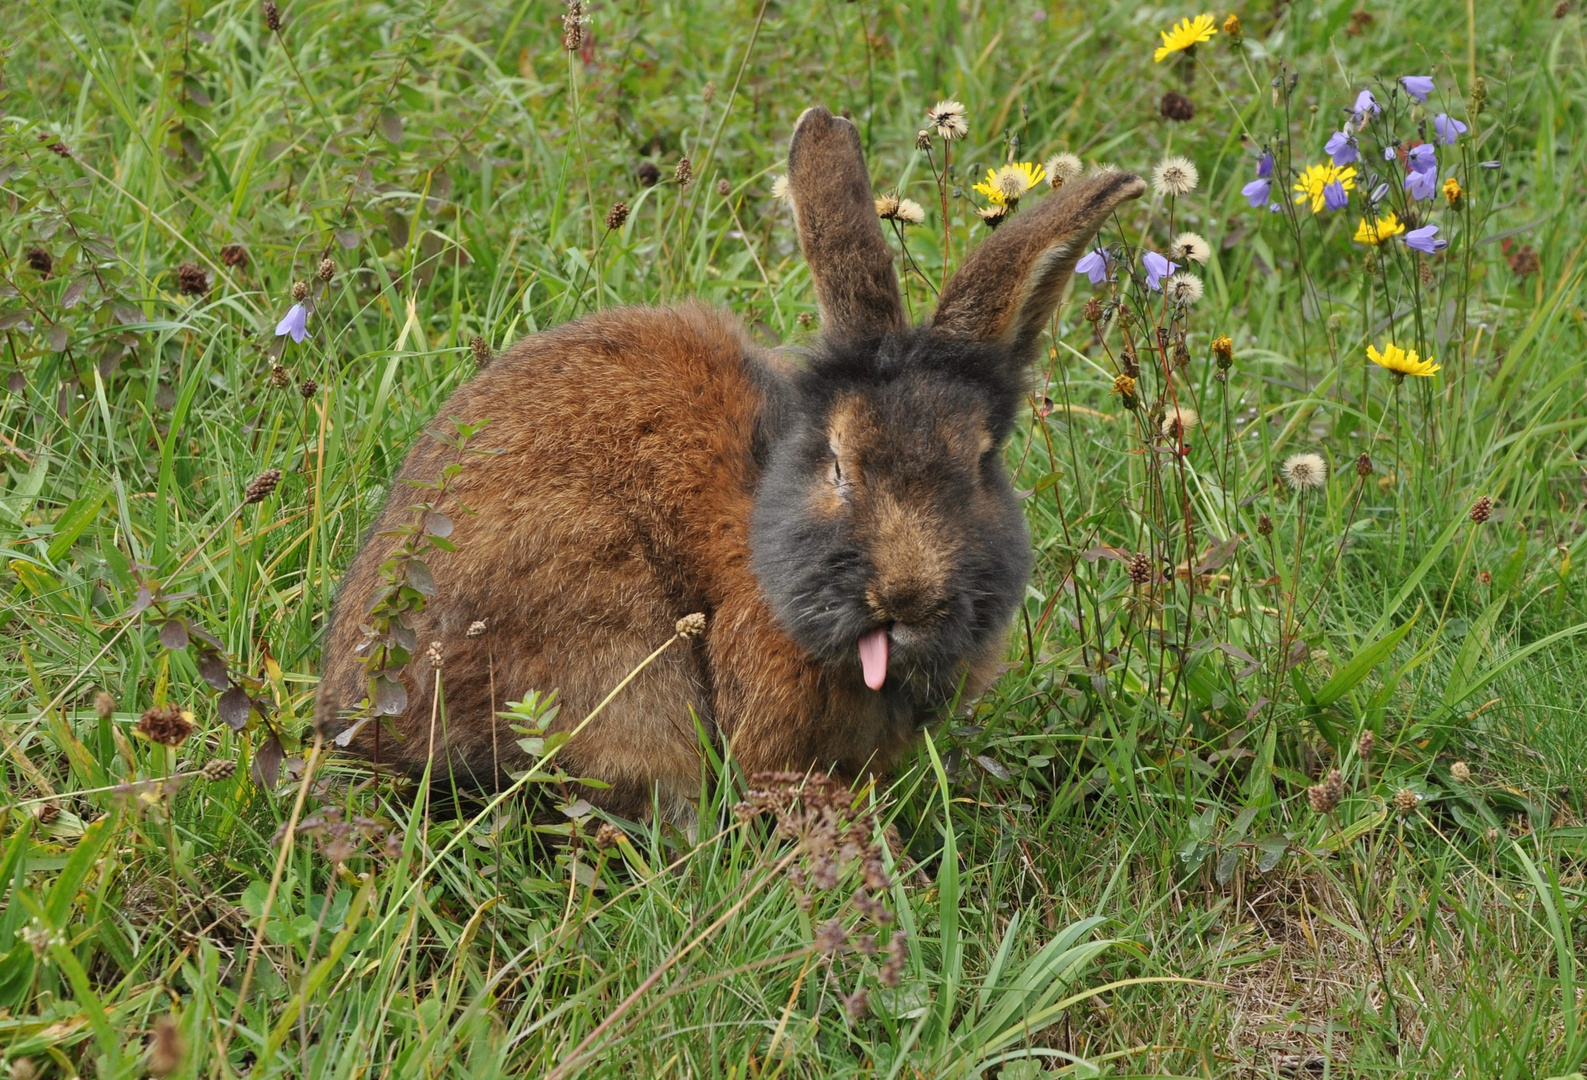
x=844 y=520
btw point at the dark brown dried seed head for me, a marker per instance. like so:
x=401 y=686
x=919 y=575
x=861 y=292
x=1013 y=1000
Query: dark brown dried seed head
x=1177 y=107
x=1364 y=466
x=234 y=255
x=1326 y=795
x=279 y=378
x=308 y=388
x=260 y=487
x=1264 y=525
x=649 y=174
x=683 y=175
x=1140 y=568
x=1482 y=509
x=165 y=724
x=300 y=291
x=616 y=216
x=272 y=16
x=327 y=269
x=191 y=280
x=41 y=261
x=218 y=769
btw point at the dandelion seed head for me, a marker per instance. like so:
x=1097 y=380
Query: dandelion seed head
x=1062 y=168
x=1184 y=289
x=1190 y=247
x=1305 y=472
x=948 y=118
x=1175 y=176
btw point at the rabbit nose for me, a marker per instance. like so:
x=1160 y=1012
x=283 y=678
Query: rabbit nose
x=910 y=600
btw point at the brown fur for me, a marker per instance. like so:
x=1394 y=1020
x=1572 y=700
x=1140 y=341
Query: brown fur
x=618 y=498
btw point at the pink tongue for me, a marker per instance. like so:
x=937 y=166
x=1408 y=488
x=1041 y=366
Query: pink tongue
x=873 y=657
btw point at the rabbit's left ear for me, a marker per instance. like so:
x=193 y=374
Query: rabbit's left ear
x=1010 y=285
x=839 y=233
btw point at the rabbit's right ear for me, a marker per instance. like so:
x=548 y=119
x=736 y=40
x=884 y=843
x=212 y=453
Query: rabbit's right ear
x=1010 y=285
x=839 y=232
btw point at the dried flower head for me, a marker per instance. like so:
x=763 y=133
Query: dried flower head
x=1223 y=350
x=948 y=118
x=104 y=705
x=280 y=379
x=1190 y=247
x=1365 y=744
x=993 y=215
x=1406 y=801
x=1524 y=261
x=691 y=626
x=857 y=1004
x=1178 y=422
x=1364 y=466
x=1175 y=176
x=723 y=188
x=192 y=280
x=683 y=173
x=1093 y=310
x=1183 y=289
x=261 y=486
x=308 y=388
x=300 y=291
x=1264 y=525
x=41 y=261
x=481 y=350
x=1139 y=568
x=234 y=255
x=708 y=91
x=1062 y=168
x=649 y=174
x=59 y=149
x=923 y=139
x=1326 y=795
x=1305 y=472
x=1460 y=772
x=434 y=655
x=1482 y=509
x=1124 y=386
x=217 y=769
x=573 y=26
x=1177 y=107
x=476 y=628
x=272 y=16
x=805 y=320
x=166 y=724
x=832 y=937
x=39 y=937
x=326 y=270
x=1236 y=32
x=608 y=836
x=616 y=216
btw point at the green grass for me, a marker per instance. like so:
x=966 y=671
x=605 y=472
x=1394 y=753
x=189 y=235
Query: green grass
x=1117 y=868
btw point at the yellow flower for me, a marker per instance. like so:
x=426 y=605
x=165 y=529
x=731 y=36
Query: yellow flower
x=1185 y=35
x=1386 y=226
x=1005 y=186
x=1316 y=177
x=1401 y=362
x=1452 y=192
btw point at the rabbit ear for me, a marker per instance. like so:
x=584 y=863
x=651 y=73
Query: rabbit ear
x=839 y=232
x=1009 y=286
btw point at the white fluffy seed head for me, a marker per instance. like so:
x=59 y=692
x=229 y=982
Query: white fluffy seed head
x=1175 y=176
x=1178 y=422
x=1190 y=247
x=1184 y=289
x=779 y=188
x=1062 y=168
x=1305 y=472
x=910 y=212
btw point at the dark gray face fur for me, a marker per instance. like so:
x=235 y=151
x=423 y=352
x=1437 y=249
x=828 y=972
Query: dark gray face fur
x=884 y=503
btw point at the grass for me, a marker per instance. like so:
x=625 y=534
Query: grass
x=1118 y=869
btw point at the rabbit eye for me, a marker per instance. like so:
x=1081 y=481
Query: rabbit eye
x=839 y=481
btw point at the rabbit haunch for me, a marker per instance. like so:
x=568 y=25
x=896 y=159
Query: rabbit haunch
x=843 y=518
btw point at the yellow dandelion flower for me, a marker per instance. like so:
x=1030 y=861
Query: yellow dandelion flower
x=1185 y=35
x=1385 y=227
x=1309 y=187
x=1452 y=192
x=1005 y=186
x=1401 y=361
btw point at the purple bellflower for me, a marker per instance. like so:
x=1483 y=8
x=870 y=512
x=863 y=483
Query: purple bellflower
x=295 y=325
x=1365 y=103
x=1094 y=264
x=1335 y=197
x=1342 y=148
x=1449 y=129
x=1157 y=268
x=1425 y=239
x=1418 y=86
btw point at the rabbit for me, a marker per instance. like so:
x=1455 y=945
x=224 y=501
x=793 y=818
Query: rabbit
x=843 y=518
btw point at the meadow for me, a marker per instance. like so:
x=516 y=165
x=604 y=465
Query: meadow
x=1286 y=774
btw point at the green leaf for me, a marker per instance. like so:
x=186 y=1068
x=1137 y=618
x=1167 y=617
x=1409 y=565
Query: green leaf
x=1360 y=665
x=73 y=520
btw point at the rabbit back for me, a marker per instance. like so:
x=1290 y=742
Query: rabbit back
x=614 y=497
